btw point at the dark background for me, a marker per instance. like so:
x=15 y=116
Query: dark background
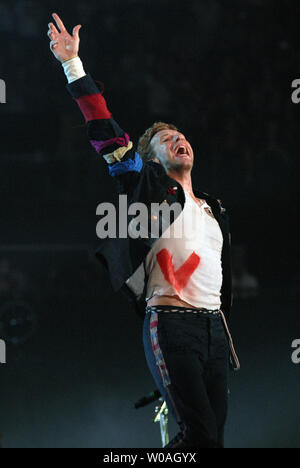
x=222 y=72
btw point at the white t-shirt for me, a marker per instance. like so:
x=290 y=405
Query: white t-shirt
x=188 y=265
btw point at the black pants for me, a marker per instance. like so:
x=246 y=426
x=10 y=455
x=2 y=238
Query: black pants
x=188 y=356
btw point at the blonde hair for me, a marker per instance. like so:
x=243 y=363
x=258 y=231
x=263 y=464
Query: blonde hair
x=144 y=148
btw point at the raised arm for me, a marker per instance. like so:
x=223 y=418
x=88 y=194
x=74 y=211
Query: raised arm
x=105 y=135
x=63 y=45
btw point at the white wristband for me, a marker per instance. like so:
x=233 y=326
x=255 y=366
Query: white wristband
x=73 y=69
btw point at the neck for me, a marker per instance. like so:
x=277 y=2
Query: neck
x=184 y=179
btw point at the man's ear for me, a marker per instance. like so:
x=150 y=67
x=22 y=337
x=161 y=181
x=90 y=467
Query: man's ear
x=153 y=158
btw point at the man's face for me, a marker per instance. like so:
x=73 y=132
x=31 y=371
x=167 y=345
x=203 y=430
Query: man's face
x=172 y=150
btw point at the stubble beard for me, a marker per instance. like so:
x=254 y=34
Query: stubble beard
x=181 y=166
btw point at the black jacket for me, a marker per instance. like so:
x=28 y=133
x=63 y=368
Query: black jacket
x=124 y=257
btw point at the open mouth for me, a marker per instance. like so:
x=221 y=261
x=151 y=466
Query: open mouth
x=181 y=152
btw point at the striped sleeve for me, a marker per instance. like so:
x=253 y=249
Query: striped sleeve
x=104 y=133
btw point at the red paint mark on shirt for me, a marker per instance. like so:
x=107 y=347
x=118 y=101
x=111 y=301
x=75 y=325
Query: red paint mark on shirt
x=180 y=277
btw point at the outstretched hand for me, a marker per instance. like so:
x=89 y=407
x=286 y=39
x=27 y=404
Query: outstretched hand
x=63 y=45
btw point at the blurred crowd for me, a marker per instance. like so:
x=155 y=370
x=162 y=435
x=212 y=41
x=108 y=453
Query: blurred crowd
x=219 y=70
x=222 y=72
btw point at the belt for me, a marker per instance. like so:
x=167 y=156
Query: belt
x=182 y=310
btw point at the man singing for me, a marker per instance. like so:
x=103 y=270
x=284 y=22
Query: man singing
x=183 y=282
